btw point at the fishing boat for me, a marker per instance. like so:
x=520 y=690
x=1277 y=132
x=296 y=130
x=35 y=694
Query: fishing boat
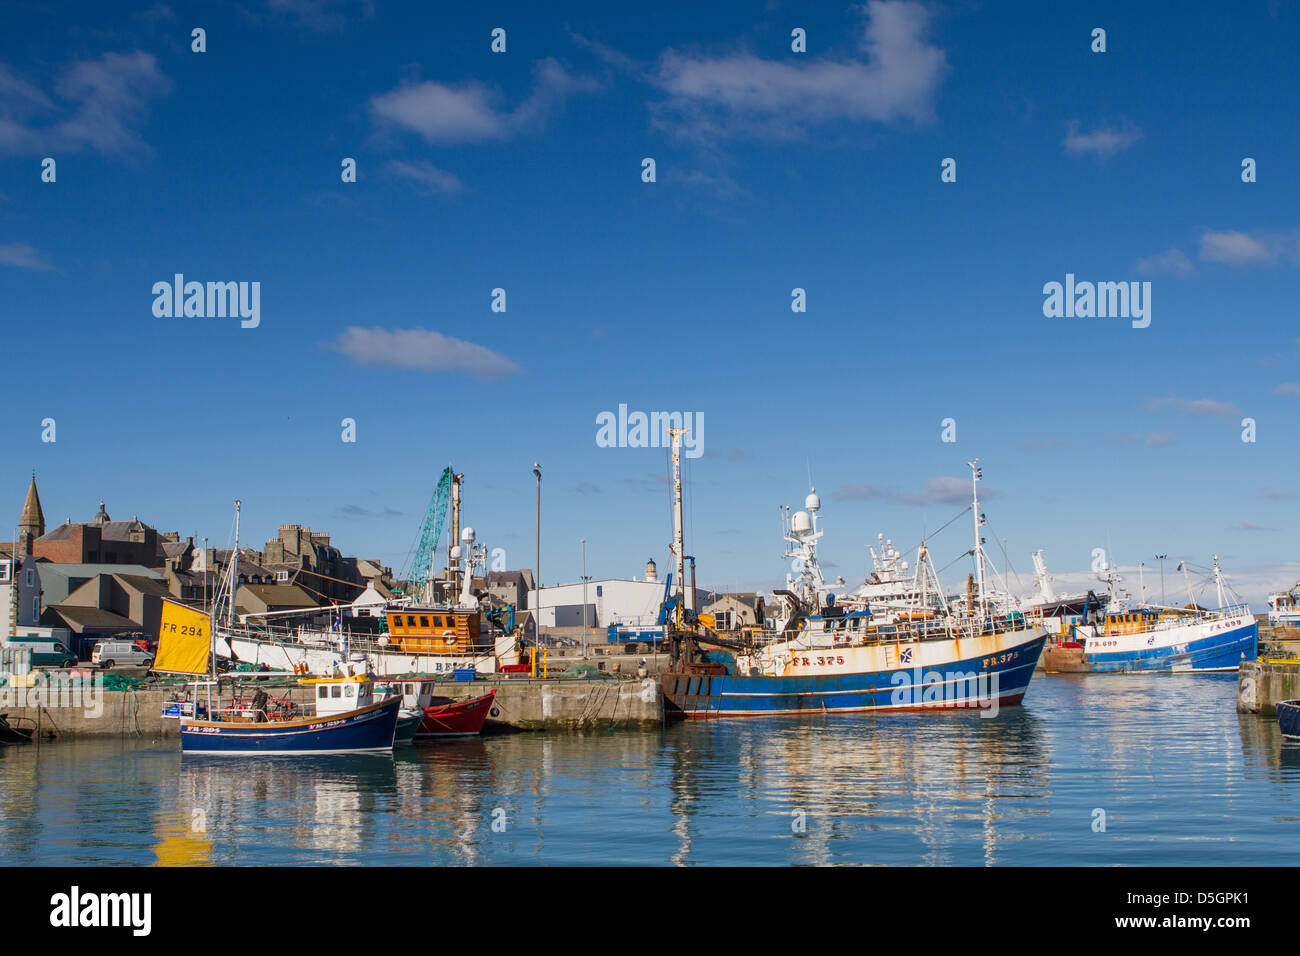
x=1149 y=638
x=1284 y=608
x=438 y=626
x=1288 y=718
x=21 y=734
x=828 y=658
x=440 y=717
x=346 y=718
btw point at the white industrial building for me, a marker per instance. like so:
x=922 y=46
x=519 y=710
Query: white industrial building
x=608 y=601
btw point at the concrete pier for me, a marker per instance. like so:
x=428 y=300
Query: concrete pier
x=521 y=704
x=1261 y=684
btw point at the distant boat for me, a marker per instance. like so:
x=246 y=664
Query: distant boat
x=1288 y=718
x=1284 y=608
x=1160 y=639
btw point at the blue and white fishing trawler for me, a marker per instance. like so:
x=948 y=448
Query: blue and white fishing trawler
x=917 y=654
x=1161 y=638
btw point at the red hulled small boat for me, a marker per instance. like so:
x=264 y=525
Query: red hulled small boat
x=456 y=718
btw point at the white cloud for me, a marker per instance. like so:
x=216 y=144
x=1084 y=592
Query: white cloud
x=1102 y=141
x=22 y=256
x=951 y=491
x=741 y=94
x=421 y=350
x=1287 y=388
x=470 y=112
x=104 y=102
x=1236 y=248
x=1171 y=262
x=426 y=177
x=1193 y=406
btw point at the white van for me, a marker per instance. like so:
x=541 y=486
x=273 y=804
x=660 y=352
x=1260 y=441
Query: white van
x=112 y=653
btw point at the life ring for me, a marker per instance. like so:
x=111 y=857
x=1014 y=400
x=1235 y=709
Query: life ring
x=449 y=637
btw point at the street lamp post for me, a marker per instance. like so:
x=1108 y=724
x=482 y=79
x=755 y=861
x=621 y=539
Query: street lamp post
x=1161 y=559
x=583 y=542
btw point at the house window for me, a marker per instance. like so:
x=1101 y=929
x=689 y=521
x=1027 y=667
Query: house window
x=36 y=608
x=31 y=578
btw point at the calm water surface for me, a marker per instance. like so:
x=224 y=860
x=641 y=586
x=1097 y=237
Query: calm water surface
x=1182 y=778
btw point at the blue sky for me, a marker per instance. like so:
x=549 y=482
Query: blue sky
x=775 y=170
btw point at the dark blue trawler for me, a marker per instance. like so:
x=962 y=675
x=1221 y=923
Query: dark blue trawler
x=348 y=720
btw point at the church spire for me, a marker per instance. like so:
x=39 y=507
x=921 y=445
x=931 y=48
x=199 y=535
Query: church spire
x=32 y=523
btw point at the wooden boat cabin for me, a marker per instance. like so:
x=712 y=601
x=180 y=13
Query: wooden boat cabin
x=423 y=630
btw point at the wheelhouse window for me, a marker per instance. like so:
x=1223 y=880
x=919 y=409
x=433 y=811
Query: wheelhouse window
x=424 y=621
x=322 y=692
x=336 y=691
x=410 y=620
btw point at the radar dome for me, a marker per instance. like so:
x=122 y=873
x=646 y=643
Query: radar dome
x=812 y=502
x=800 y=523
x=467 y=535
x=454 y=554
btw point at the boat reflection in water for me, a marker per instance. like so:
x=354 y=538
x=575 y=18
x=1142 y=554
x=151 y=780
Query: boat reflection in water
x=924 y=788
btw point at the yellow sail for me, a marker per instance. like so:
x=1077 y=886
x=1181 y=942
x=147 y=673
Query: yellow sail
x=184 y=637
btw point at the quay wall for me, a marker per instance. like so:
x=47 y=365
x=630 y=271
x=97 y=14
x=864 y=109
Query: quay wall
x=521 y=704
x=1261 y=684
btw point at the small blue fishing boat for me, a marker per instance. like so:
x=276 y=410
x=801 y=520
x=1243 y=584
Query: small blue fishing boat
x=348 y=719
x=1288 y=719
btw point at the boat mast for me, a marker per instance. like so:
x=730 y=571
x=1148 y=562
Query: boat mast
x=976 y=474
x=234 y=572
x=1218 y=580
x=679 y=545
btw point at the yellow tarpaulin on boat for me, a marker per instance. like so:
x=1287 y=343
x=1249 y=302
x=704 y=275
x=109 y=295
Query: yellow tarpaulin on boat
x=184 y=637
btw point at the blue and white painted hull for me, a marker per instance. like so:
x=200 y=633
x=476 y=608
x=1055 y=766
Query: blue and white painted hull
x=368 y=729
x=1216 y=644
x=980 y=671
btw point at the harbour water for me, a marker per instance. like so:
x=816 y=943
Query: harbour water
x=1181 y=777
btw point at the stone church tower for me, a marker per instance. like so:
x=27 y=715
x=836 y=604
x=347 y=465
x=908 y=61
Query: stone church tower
x=32 y=524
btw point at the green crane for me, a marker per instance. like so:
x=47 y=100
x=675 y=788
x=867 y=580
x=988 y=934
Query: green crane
x=430 y=532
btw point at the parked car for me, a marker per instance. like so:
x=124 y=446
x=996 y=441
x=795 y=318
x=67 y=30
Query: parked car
x=46 y=652
x=113 y=653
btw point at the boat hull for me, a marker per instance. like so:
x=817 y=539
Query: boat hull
x=1288 y=718
x=462 y=718
x=408 y=724
x=1204 y=647
x=368 y=729
x=945 y=675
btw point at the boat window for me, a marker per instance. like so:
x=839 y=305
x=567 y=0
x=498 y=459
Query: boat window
x=350 y=690
x=322 y=691
x=424 y=621
x=410 y=620
x=437 y=621
x=336 y=691
x=425 y=689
